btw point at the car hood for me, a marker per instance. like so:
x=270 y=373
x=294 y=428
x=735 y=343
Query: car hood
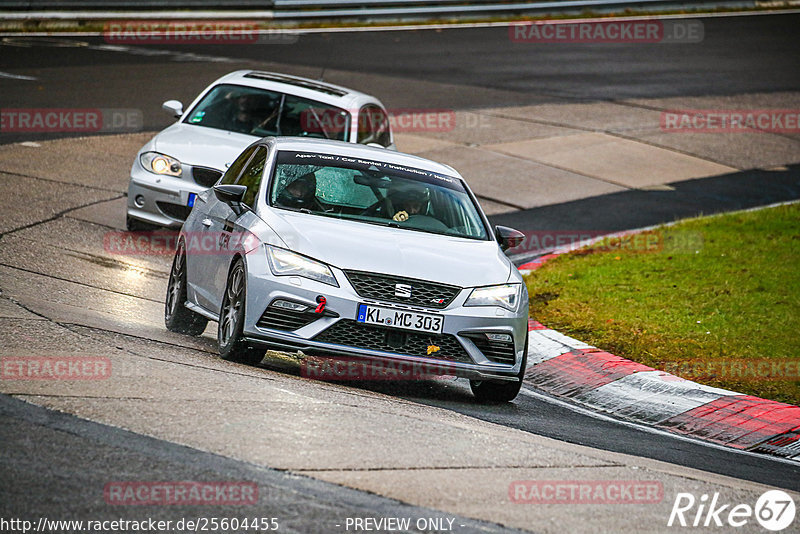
x=201 y=146
x=379 y=249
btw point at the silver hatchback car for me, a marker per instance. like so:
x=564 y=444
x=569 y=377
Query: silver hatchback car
x=348 y=251
x=189 y=156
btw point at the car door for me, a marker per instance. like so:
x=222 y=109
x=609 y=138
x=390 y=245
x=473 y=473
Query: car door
x=234 y=225
x=202 y=239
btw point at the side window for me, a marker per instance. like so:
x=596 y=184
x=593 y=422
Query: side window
x=373 y=126
x=251 y=177
x=236 y=167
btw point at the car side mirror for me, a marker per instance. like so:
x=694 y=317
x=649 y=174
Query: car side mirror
x=231 y=195
x=174 y=107
x=508 y=237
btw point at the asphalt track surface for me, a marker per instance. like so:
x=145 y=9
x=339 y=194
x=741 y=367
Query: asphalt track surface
x=87 y=455
x=451 y=69
x=481 y=68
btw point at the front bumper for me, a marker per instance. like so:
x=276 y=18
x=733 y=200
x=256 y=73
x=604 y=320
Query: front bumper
x=163 y=200
x=460 y=355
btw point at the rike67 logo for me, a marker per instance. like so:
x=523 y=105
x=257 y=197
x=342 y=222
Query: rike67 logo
x=774 y=510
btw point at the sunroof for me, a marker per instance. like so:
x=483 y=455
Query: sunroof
x=298 y=82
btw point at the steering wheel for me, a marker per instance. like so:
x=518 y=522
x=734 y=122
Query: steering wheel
x=383 y=203
x=263 y=123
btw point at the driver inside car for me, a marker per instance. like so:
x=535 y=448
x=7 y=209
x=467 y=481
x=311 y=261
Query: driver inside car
x=301 y=193
x=408 y=204
x=251 y=111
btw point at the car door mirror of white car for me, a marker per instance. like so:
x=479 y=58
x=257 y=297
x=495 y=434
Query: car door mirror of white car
x=173 y=107
x=508 y=237
x=231 y=195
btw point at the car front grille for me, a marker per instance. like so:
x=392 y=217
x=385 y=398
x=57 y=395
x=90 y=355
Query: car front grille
x=283 y=319
x=205 y=177
x=176 y=211
x=496 y=351
x=384 y=287
x=352 y=334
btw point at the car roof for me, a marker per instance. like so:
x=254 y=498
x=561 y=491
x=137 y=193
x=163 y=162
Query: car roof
x=304 y=87
x=341 y=148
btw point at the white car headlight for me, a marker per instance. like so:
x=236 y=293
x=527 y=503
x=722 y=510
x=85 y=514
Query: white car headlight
x=283 y=262
x=506 y=296
x=161 y=164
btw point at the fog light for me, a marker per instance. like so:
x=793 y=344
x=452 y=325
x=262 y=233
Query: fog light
x=139 y=201
x=500 y=338
x=289 y=305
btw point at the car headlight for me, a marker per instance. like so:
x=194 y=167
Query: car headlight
x=160 y=164
x=506 y=296
x=283 y=262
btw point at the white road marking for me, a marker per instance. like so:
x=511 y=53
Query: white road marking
x=651 y=396
x=133 y=50
x=151 y=52
x=542 y=348
x=16 y=76
x=570 y=342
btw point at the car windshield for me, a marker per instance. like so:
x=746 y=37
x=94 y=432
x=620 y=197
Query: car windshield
x=259 y=112
x=374 y=192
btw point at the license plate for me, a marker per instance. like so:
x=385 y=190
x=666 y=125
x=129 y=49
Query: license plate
x=394 y=318
x=191 y=199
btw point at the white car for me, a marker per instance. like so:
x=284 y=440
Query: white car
x=341 y=250
x=190 y=156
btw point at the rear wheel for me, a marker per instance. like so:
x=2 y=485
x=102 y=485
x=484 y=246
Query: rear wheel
x=177 y=317
x=231 y=344
x=495 y=391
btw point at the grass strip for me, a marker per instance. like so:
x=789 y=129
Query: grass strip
x=713 y=299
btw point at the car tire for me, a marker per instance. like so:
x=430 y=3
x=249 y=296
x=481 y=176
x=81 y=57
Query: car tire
x=488 y=391
x=177 y=317
x=135 y=225
x=232 y=346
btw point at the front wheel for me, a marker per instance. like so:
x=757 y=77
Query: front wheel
x=177 y=317
x=230 y=341
x=494 y=392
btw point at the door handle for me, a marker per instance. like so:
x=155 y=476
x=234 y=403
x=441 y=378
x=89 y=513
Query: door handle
x=206 y=222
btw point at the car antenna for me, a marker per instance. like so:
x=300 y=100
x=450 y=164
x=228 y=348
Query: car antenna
x=325 y=65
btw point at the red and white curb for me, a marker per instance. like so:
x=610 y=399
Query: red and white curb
x=566 y=368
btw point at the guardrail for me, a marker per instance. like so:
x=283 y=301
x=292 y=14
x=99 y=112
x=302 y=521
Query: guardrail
x=305 y=9
x=349 y=9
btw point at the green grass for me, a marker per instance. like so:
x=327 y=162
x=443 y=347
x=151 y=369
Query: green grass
x=719 y=290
